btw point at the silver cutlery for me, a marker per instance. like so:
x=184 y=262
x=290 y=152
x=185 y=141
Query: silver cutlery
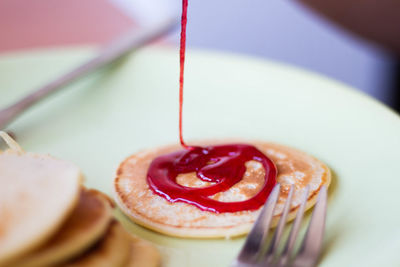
x=111 y=52
x=254 y=251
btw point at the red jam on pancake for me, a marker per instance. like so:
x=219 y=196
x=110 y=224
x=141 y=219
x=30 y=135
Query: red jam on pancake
x=138 y=200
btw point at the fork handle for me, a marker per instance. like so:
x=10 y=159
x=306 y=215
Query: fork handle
x=110 y=53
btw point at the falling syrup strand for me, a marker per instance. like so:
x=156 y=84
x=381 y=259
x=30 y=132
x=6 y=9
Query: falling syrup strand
x=222 y=165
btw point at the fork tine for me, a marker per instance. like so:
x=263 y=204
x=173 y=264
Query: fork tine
x=312 y=243
x=288 y=250
x=278 y=231
x=257 y=235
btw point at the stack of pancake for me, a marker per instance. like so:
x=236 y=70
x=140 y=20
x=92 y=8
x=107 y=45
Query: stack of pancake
x=47 y=218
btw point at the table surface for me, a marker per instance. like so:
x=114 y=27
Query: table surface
x=48 y=23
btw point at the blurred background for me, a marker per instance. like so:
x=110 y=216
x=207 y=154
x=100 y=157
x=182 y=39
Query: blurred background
x=278 y=30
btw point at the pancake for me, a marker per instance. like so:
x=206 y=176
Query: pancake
x=87 y=224
x=143 y=254
x=37 y=194
x=150 y=210
x=113 y=250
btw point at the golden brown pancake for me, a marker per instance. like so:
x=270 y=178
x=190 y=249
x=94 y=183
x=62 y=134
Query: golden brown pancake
x=87 y=224
x=37 y=194
x=143 y=254
x=113 y=250
x=144 y=207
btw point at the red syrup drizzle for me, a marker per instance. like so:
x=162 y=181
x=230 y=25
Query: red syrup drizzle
x=223 y=165
x=182 y=53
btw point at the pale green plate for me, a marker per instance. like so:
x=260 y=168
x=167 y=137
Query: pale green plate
x=133 y=105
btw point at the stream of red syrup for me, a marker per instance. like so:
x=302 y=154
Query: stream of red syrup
x=222 y=165
x=182 y=52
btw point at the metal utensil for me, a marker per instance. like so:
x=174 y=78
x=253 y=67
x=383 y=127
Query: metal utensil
x=254 y=253
x=113 y=51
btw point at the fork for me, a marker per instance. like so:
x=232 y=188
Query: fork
x=254 y=253
x=110 y=53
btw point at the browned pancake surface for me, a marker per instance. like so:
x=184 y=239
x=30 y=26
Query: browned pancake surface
x=148 y=209
x=87 y=223
x=37 y=194
x=112 y=250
